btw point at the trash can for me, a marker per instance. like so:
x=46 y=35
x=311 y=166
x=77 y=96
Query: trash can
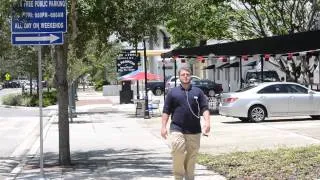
x=126 y=94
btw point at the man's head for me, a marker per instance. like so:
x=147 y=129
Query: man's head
x=185 y=75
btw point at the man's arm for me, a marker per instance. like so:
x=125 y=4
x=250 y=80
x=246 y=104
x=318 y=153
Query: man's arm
x=206 y=127
x=167 y=110
x=164 y=131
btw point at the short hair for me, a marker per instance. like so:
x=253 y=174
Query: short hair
x=184 y=69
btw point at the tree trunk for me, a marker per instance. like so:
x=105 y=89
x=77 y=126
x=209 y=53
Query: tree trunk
x=74 y=18
x=30 y=80
x=63 y=102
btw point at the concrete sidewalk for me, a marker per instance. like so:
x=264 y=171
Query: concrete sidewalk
x=107 y=142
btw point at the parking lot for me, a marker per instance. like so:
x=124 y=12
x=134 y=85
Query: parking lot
x=231 y=135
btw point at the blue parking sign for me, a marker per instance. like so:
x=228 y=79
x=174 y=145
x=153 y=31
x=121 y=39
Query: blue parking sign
x=40 y=16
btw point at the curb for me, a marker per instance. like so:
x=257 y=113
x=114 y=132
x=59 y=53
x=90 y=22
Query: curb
x=18 y=107
x=24 y=107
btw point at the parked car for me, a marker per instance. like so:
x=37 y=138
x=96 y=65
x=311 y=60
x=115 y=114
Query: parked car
x=26 y=86
x=253 y=77
x=157 y=87
x=209 y=87
x=171 y=82
x=270 y=99
x=11 y=84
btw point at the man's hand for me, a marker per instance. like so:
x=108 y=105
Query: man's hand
x=206 y=129
x=164 y=132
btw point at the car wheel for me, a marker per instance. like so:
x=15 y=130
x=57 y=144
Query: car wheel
x=158 y=92
x=316 y=117
x=211 y=93
x=257 y=113
x=244 y=119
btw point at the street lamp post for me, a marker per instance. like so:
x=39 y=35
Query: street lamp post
x=164 y=77
x=146 y=112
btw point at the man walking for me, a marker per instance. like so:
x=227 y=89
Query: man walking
x=185 y=104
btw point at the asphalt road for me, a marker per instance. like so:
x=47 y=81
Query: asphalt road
x=18 y=125
x=18 y=130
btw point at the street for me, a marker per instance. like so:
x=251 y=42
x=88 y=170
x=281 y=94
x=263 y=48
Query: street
x=19 y=128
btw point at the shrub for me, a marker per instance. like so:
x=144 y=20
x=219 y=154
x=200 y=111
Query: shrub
x=49 y=98
x=12 y=99
x=99 y=84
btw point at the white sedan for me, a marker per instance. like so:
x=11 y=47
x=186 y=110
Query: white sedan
x=273 y=99
x=27 y=86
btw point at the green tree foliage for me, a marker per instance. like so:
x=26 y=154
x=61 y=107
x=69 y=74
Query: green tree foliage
x=4 y=29
x=98 y=19
x=266 y=18
x=17 y=60
x=273 y=17
x=130 y=19
x=193 y=21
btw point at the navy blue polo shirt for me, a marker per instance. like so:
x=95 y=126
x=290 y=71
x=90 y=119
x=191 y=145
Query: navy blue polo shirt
x=183 y=114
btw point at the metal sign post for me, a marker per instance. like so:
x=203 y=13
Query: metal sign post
x=40 y=108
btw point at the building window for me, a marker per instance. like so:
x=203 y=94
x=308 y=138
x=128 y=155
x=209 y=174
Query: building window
x=166 y=40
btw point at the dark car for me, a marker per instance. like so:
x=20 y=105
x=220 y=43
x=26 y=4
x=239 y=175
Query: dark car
x=209 y=87
x=11 y=84
x=157 y=87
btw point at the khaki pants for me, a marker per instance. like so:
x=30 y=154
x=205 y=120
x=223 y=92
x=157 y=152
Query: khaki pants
x=184 y=150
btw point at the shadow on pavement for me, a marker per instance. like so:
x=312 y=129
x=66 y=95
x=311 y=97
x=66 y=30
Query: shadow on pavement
x=106 y=164
x=7 y=164
x=272 y=120
x=91 y=112
x=286 y=120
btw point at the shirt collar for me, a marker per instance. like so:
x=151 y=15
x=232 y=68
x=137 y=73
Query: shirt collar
x=182 y=88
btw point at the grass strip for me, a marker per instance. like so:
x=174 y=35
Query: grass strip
x=282 y=163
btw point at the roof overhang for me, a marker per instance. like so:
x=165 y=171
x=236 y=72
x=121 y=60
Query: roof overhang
x=297 y=42
x=212 y=66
